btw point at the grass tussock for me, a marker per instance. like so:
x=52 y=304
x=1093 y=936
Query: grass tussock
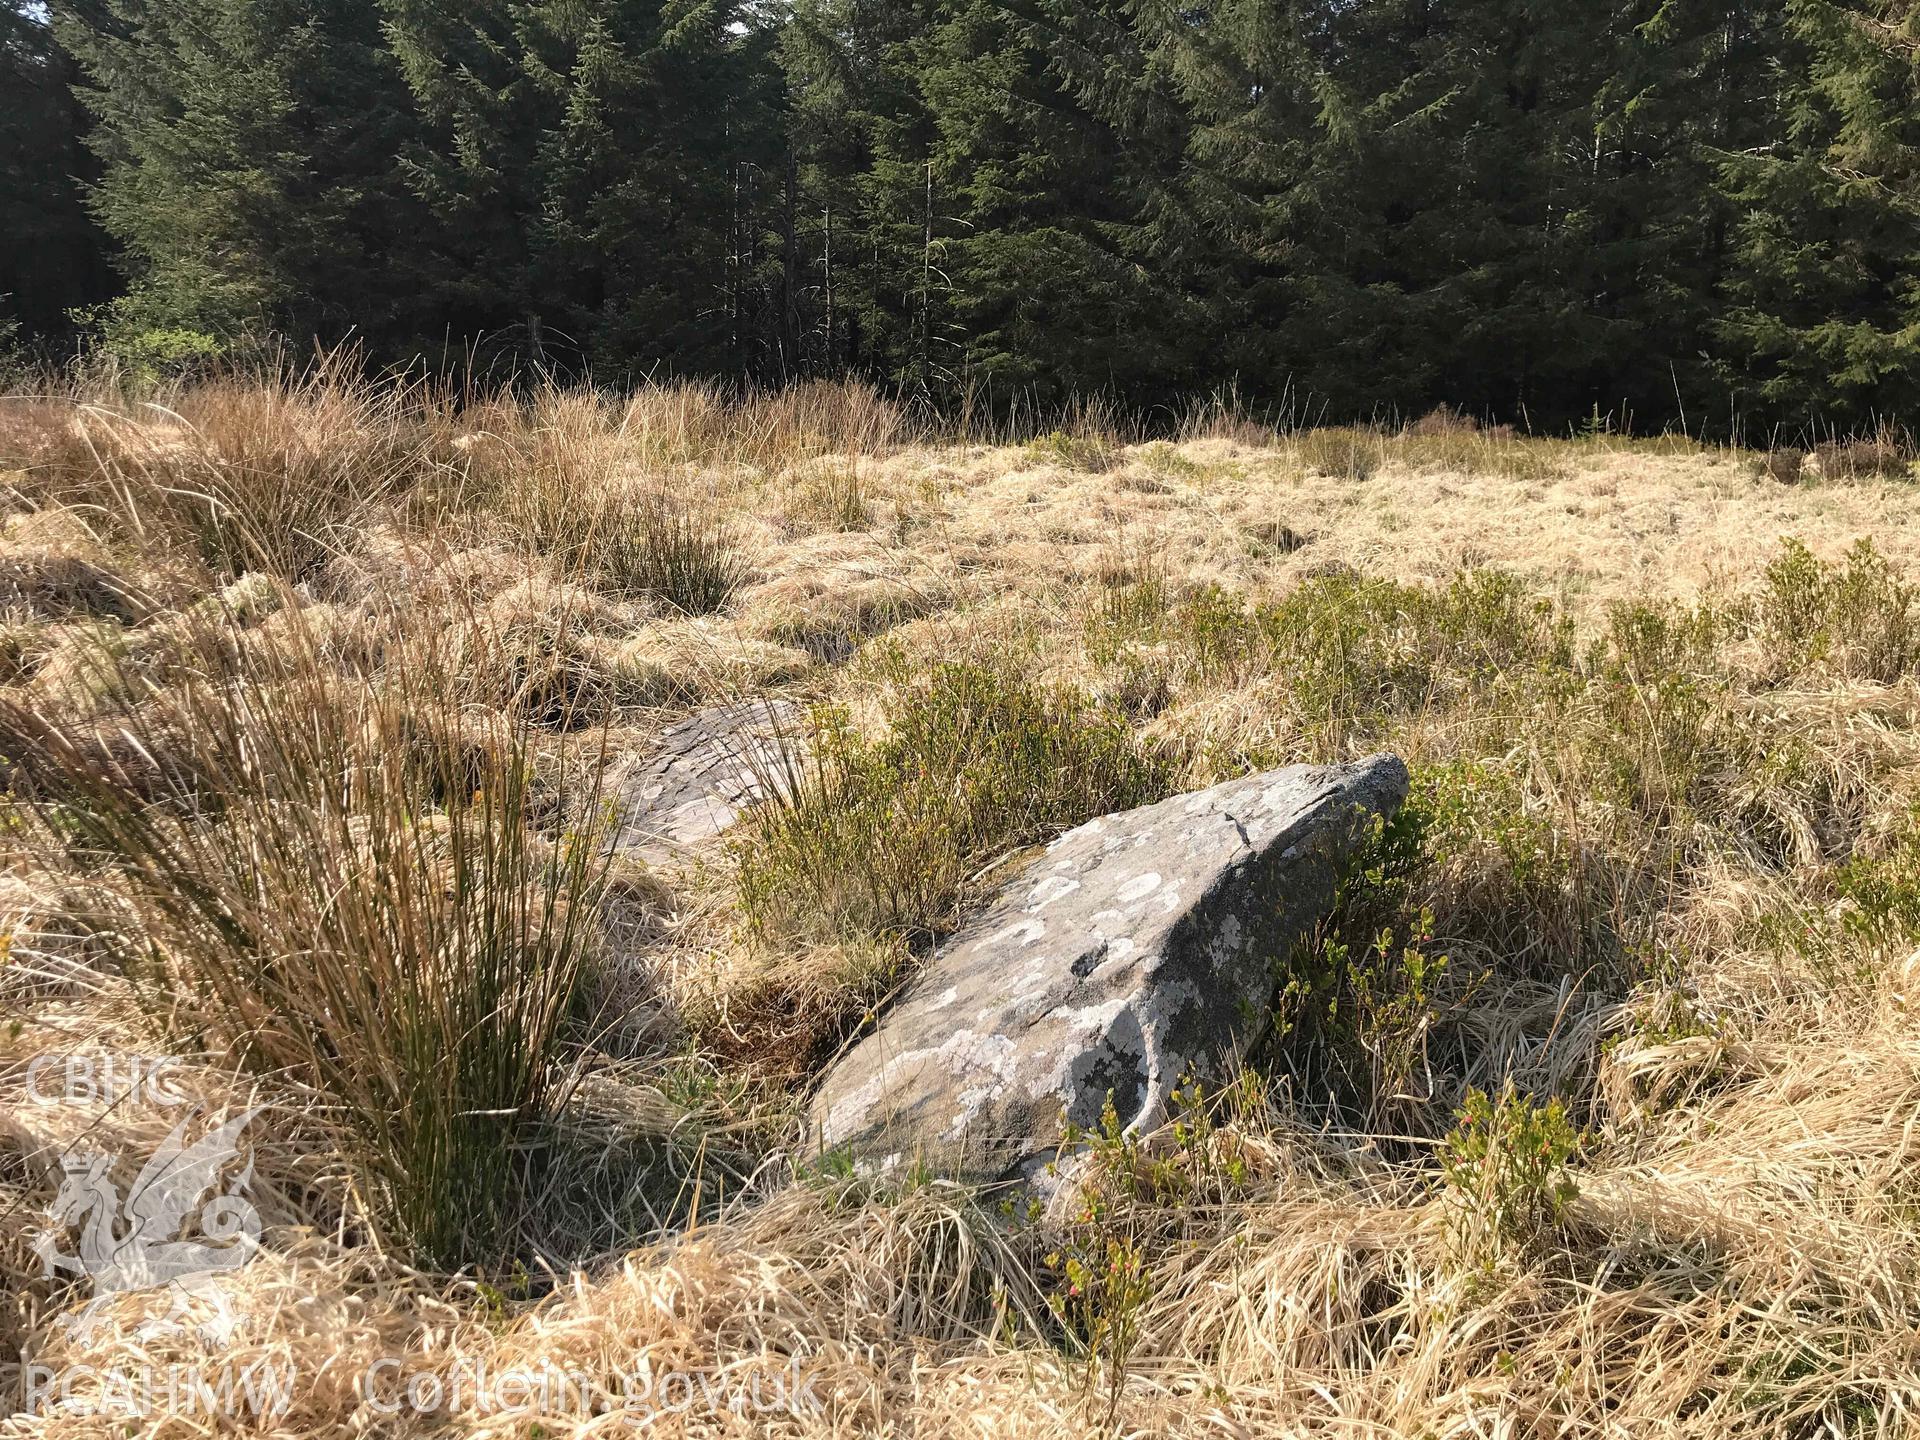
x=653 y=546
x=1341 y=454
x=344 y=889
x=1483 y=452
x=242 y=475
x=574 y=485
x=343 y=893
x=829 y=496
x=1224 y=415
x=1590 y=1108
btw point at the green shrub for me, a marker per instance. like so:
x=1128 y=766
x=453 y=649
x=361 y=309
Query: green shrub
x=1477 y=805
x=1505 y=1166
x=142 y=354
x=1382 y=1009
x=1102 y=1282
x=1132 y=1200
x=1793 y=607
x=1220 y=640
x=1349 y=659
x=15 y=362
x=1355 y=1005
x=1647 y=641
x=1205 y=636
x=153 y=355
x=1165 y=460
x=1881 y=895
x=1858 y=619
x=1656 y=721
x=879 y=836
x=1085 y=450
x=1358 y=653
x=1813 y=940
x=1507 y=876
x=1129 y=607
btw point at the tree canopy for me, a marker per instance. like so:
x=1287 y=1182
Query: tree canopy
x=1661 y=210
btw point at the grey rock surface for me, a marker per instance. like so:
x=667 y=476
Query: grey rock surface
x=1137 y=950
x=707 y=772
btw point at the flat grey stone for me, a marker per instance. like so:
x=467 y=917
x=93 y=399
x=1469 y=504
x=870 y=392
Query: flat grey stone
x=708 y=771
x=1138 y=950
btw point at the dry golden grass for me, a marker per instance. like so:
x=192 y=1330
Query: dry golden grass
x=1670 y=855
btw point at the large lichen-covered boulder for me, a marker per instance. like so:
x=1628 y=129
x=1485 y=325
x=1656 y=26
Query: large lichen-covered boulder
x=707 y=772
x=1138 y=950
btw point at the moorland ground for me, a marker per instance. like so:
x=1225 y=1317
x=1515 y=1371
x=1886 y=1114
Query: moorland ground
x=1593 y=1110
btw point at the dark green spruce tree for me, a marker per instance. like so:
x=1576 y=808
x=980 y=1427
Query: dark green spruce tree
x=1048 y=289
x=1405 y=204
x=608 y=177
x=52 y=257
x=248 y=164
x=877 y=278
x=1821 y=324
x=967 y=220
